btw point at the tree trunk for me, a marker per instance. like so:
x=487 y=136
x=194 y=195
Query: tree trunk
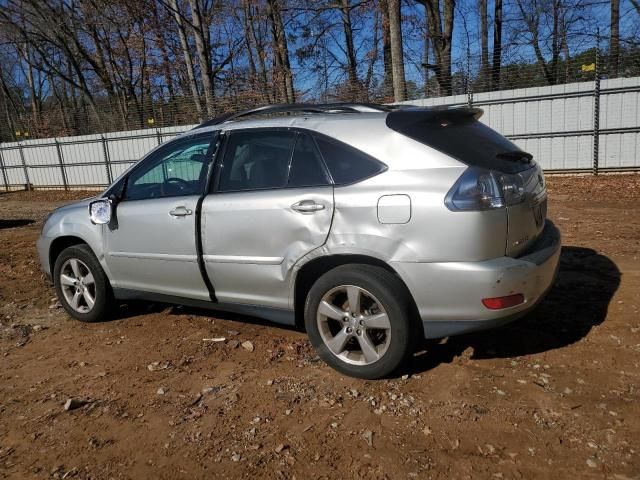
x=260 y=53
x=184 y=44
x=33 y=98
x=204 y=55
x=373 y=58
x=354 y=82
x=614 y=41
x=158 y=31
x=386 y=51
x=497 y=45
x=397 y=57
x=484 y=44
x=441 y=33
x=281 y=50
x=248 y=42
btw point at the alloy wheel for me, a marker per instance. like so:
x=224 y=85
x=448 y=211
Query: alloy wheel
x=78 y=285
x=354 y=325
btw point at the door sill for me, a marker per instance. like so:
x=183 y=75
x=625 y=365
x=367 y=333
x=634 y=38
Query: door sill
x=276 y=315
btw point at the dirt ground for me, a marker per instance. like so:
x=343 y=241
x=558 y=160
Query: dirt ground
x=554 y=395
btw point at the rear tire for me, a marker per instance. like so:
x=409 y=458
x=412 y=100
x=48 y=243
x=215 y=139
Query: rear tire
x=81 y=285
x=359 y=319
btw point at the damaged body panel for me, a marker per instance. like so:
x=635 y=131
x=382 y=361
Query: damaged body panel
x=368 y=224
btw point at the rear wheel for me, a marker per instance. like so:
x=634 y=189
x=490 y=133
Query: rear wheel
x=358 y=318
x=82 y=287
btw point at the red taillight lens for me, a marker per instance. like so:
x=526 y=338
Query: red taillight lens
x=498 y=303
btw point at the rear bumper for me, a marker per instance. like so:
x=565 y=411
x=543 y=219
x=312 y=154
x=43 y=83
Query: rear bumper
x=449 y=294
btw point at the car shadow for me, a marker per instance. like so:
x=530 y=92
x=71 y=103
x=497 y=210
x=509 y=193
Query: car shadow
x=578 y=301
x=14 y=223
x=137 y=308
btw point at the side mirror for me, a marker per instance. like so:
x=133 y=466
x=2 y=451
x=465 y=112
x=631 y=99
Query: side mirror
x=100 y=211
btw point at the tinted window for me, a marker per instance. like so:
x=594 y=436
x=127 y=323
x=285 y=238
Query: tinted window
x=180 y=168
x=346 y=164
x=306 y=164
x=256 y=160
x=463 y=138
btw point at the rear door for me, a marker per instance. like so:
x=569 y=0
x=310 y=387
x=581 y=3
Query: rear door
x=272 y=204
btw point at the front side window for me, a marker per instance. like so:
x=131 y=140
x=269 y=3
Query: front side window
x=178 y=169
x=256 y=160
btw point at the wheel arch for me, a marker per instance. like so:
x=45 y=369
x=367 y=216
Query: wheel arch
x=314 y=269
x=59 y=244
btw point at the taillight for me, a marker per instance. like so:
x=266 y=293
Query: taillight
x=480 y=189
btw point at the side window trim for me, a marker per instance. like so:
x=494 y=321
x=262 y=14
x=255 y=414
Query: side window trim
x=327 y=172
x=152 y=157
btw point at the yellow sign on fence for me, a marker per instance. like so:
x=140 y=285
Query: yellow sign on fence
x=591 y=67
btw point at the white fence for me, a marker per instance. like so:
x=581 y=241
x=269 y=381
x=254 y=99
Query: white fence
x=555 y=124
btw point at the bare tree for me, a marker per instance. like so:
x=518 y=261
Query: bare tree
x=484 y=43
x=203 y=47
x=614 y=38
x=255 y=43
x=497 y=45
x=397 y=54
x=441 y=32
x=186 y=53
x=386 y=50
x=531 y=13
x=345 y=10
x=281 y=51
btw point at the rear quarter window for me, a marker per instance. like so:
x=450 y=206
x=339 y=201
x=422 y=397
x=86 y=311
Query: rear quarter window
x=347 y=164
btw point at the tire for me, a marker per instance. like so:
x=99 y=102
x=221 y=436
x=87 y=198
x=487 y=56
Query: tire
x=380 y=293
x=76 y=263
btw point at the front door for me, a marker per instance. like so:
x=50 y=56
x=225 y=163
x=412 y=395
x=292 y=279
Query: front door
x=273 y=203
x=152 y=245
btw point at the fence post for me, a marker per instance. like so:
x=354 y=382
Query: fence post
x=159 y=136
x=107 y=162
x=4 y=172
x=596 y=113
x=61 y=162
x=24 y=166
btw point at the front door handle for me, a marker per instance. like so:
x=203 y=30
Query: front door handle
x=307 y=206
x=180 y=212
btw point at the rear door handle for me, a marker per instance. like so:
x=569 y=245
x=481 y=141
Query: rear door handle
x=180 y=212
x=307 y=206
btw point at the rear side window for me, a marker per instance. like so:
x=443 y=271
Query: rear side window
x=256 y=160
x=347 y=164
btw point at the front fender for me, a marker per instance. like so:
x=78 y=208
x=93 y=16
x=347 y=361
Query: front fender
x=67 y=223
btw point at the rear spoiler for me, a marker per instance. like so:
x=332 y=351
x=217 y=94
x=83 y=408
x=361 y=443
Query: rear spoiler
x=398 y=120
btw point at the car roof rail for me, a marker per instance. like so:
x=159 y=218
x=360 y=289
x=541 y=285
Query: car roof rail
x=338 y=107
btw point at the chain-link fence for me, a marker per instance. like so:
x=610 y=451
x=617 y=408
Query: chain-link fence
x=588 y=119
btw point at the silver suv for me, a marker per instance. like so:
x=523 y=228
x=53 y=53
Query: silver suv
x=369 y=226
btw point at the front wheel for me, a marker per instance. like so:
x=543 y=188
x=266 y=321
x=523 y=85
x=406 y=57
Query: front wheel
x=358 y=317
x=82 y=287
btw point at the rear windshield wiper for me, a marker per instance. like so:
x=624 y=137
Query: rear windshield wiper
x=525 y=157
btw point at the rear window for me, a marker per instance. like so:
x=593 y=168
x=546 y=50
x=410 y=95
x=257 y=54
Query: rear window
x=467 y=140
x=347 y=164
